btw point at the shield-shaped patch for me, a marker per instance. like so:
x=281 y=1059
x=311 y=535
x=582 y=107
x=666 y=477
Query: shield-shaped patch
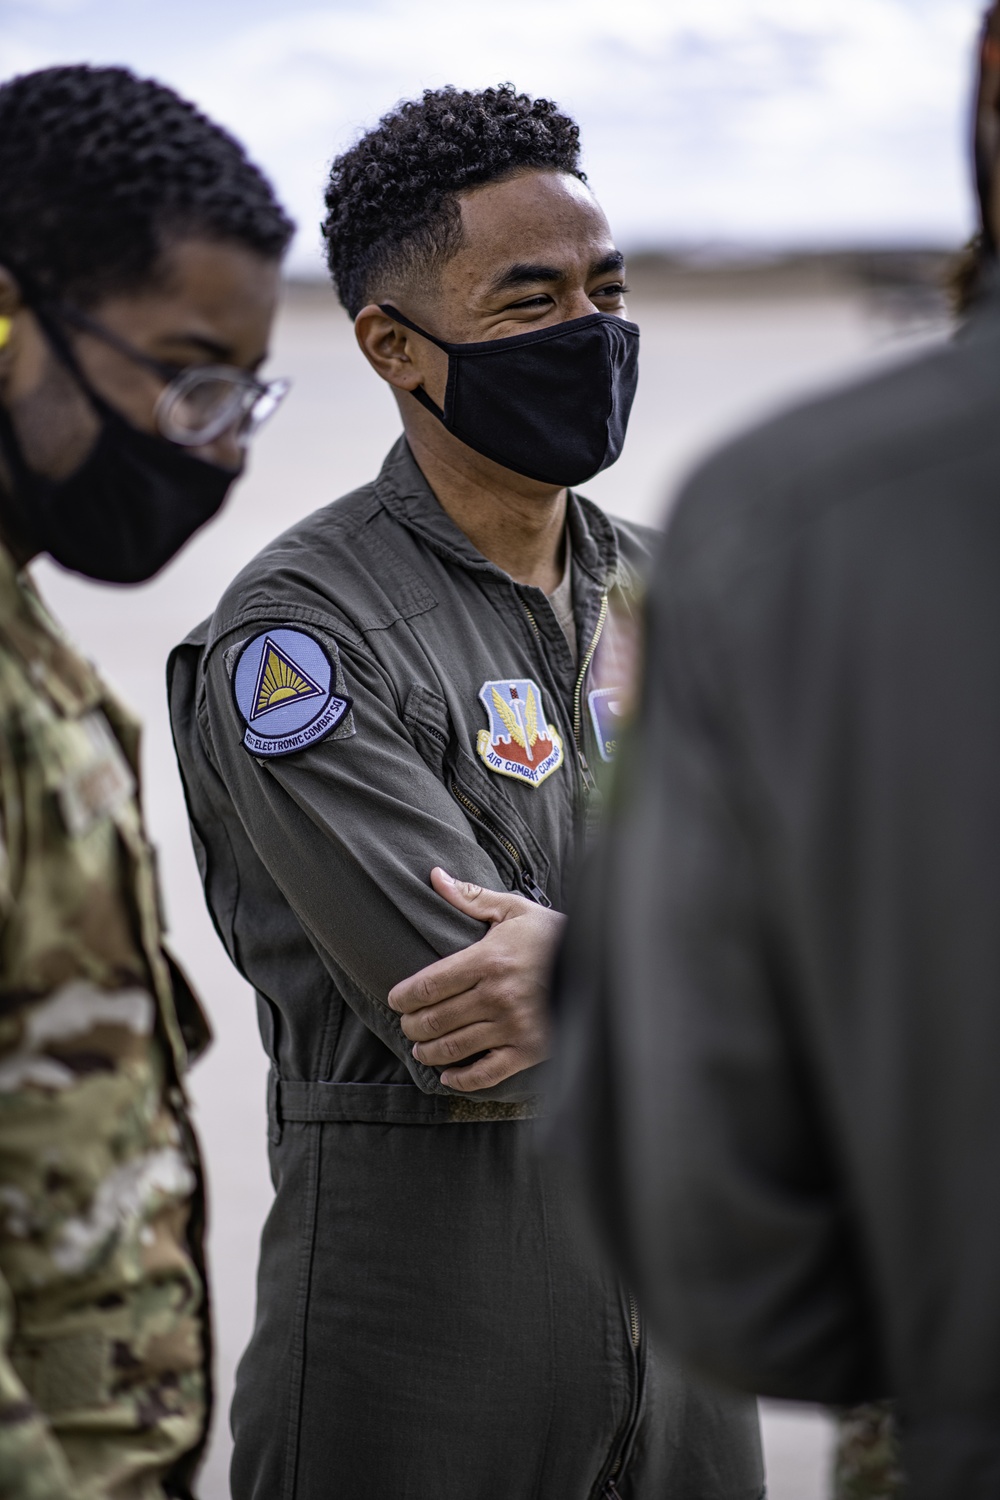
x=519 y=742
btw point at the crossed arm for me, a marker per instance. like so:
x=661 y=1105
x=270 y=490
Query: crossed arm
x=348 y=832
x=482 y=1014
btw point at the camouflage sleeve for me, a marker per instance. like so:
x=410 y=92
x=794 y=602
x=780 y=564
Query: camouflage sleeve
x=32 y=1465
x=866 y=1462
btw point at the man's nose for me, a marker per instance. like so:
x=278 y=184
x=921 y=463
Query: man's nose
x=579 y=305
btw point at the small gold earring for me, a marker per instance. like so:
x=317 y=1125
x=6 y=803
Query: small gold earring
x=5 y=327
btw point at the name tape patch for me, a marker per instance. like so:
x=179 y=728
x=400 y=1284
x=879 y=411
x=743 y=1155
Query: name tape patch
x=285 y=690
x=607 y=709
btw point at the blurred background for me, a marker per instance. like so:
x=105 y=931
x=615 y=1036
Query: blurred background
x=789 y=181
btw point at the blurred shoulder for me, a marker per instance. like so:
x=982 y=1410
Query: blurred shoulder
x=602 y=539
x=639 y=544
x=916 y=424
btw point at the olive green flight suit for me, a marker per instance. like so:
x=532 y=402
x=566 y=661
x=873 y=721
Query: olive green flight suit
x=432 y=1323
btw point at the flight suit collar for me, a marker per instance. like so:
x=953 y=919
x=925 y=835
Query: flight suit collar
x=406 y=495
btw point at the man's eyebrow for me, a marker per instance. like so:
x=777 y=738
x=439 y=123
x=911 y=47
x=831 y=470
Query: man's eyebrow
x=526 y=273
x=613 y=262
x=523 y=273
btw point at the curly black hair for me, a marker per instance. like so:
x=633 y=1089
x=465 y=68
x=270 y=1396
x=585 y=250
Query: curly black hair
x=99 y=169
x=392 y=213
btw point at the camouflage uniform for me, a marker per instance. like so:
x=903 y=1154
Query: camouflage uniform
x=866 y=1464
x=103 y=1324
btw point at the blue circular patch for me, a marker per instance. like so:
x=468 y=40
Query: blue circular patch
x=283 y=686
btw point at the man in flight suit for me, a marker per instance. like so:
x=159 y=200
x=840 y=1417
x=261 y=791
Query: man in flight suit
x=782 y=977
x=137 y=245
x=427 y=674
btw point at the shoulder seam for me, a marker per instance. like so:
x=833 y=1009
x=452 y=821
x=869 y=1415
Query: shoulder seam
x=280 y=610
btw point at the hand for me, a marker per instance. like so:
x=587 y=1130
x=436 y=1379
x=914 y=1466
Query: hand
x=491 y=997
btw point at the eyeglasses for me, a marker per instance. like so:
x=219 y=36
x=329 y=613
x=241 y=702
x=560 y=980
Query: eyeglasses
x=197 y=404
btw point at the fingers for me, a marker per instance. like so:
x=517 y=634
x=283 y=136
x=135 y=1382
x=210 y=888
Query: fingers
x=492 y=1068
x=474 y=901
x=473 y=1023
x=439 y=981
x=459 y=1045
x=435 y=1021
x=486 y=1072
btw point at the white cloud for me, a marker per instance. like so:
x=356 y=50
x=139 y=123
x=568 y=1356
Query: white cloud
x=761 y=120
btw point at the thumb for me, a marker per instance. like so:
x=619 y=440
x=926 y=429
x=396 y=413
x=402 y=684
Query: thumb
x=475 y=901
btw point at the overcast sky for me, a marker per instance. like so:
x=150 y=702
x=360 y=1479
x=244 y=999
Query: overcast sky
x=755 y=122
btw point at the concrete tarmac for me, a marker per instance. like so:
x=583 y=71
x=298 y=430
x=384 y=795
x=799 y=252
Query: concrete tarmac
x=709 y=365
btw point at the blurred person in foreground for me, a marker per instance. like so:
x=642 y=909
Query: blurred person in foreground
x=138 y=246
x=419 y=676
x=782 y=973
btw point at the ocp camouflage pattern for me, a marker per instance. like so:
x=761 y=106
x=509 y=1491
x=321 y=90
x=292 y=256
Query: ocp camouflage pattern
x=103 y=1322
x=866 y=1464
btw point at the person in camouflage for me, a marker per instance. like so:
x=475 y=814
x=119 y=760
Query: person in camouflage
x=137 y=244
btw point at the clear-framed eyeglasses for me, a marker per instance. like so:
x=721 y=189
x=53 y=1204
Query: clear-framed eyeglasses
x=205 y=401
x=200 y=402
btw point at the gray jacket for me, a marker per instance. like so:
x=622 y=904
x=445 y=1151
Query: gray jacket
x=784 y=970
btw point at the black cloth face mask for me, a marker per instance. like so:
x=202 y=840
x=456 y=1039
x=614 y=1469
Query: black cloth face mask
x=130 y=506
x=552 y=404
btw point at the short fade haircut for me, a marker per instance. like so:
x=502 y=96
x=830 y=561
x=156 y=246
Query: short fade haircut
x=392 y=215
x=100 y=170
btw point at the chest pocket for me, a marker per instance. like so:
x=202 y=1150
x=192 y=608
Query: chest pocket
x=499 y=828
x=88 y=772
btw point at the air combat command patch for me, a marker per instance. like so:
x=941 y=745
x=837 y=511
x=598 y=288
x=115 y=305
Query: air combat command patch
x=518 y=742
x=285 y=690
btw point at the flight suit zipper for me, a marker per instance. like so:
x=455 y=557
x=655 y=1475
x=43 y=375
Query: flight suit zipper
x=635 y=1327
x=589 y=780
x=588 y=775
x=609 y=1489
x=525 y=879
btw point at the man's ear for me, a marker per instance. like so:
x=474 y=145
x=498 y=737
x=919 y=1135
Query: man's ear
x=401 y=357
x=388 y=347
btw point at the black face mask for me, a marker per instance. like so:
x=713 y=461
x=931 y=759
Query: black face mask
x=552 y=404
x=130 y=506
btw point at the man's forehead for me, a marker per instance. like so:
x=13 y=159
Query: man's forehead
x=517 y=230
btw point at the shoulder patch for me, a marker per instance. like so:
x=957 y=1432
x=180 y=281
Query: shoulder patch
x=285 y=689
x=518 y=742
